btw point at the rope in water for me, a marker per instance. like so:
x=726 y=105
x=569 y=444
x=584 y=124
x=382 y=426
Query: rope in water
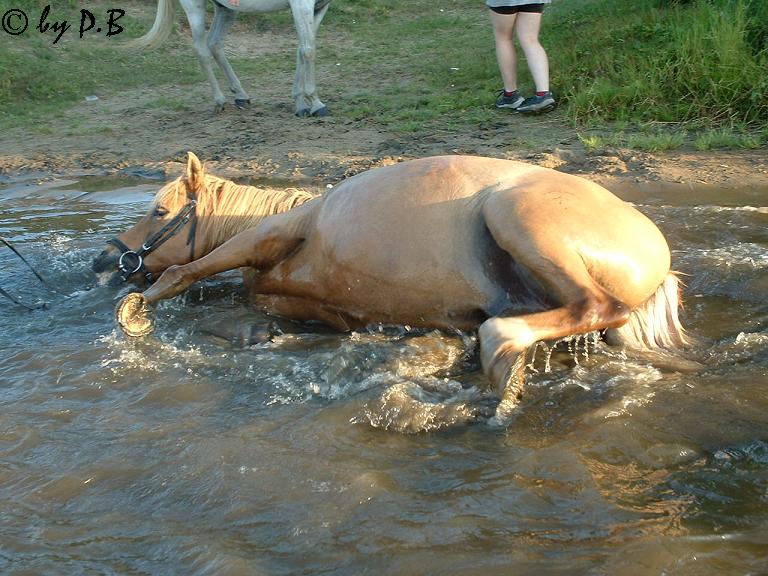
x=14 y=299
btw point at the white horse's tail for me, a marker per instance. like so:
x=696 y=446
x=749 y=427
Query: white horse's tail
x=161 y=29
x=655 y=324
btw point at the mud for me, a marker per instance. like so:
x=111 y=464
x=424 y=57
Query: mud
x=129 y=131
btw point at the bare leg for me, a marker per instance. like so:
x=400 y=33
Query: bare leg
x=317 y=108
x=527 y=29
x=506 y=56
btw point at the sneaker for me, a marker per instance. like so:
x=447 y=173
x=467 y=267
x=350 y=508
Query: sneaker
x=509 y=101
x=537 y=104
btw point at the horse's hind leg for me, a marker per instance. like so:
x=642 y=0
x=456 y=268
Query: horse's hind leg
x=584 y=305
x=307 y=23
x=195 y=10
x=222 y=22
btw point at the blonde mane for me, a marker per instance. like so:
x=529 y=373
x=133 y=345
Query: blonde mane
x=225 y=208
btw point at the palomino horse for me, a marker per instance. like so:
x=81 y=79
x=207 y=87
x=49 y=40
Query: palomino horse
x=307 y=15
x=521 y=252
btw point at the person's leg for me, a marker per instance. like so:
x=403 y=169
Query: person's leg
x=504 y=35
x=527 y=29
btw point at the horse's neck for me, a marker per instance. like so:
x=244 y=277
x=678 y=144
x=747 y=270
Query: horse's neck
x=240 y=207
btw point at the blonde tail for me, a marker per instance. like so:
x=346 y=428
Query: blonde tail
x=161 y=29
x=655 y=324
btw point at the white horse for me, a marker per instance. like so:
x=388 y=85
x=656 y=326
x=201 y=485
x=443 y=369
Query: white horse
x=307 y=15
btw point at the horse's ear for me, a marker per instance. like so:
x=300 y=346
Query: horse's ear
x=195 y=173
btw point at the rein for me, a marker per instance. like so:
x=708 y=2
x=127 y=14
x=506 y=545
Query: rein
x=132 y=261
x=10 y=296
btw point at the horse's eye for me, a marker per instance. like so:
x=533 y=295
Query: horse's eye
x=160 y=212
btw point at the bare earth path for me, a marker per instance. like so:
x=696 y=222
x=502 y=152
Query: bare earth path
x=130 y=129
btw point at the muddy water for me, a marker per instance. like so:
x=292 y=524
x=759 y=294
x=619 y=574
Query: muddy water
x=185 y=453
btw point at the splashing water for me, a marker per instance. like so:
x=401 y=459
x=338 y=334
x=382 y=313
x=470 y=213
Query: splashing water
x=349 y=453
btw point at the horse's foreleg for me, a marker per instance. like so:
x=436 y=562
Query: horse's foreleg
x=195 y=10
x=222 y=22
x=260 y=247
x=304 y=88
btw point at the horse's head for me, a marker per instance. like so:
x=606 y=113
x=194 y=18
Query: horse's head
x=164 y=236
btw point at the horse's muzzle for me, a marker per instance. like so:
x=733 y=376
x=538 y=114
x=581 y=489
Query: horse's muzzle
x=106 y=261
x=105 y=267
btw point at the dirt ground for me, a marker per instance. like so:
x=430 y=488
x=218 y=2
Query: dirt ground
x=131 y=132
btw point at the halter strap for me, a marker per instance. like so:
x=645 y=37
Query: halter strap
x=132 y=261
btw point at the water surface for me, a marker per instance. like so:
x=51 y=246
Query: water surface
x=371 y=452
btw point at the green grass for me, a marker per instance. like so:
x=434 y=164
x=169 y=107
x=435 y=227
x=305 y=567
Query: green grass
x=616 y=63
x=164 y=102
x=652 y=141
x=596 y=142
x=656 y=142
x=635 y=62
x=726 y=139
x=697 y=67
x=39 y=78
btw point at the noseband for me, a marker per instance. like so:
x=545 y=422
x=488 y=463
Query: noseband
x=132 y=261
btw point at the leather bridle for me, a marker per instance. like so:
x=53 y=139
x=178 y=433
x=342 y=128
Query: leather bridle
x=132 y=261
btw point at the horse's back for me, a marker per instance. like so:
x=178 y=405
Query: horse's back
x=407 y=242
x=413 y=238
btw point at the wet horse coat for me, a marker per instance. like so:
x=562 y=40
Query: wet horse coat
x=521 y=252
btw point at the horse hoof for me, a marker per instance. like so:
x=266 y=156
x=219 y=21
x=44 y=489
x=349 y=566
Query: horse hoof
x=320 y=112
x=133 y=315
x=218 y=108
x=303 y=113
x=502 y=355
x=242 y=103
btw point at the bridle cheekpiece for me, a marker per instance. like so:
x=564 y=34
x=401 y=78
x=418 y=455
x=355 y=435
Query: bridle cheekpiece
x=132 y=261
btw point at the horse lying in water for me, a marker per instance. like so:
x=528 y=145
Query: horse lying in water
x=518 y=252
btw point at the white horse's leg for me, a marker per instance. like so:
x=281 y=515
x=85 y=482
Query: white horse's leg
x=304 y=89
x=317 y=108
x=195 y=10
x=222 y=22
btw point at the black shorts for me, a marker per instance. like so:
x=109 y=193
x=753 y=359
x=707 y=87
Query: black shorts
x=533 y=8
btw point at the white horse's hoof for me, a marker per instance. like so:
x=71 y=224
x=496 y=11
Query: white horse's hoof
x=242 y=103
x=319 y=113
x=218 y=108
